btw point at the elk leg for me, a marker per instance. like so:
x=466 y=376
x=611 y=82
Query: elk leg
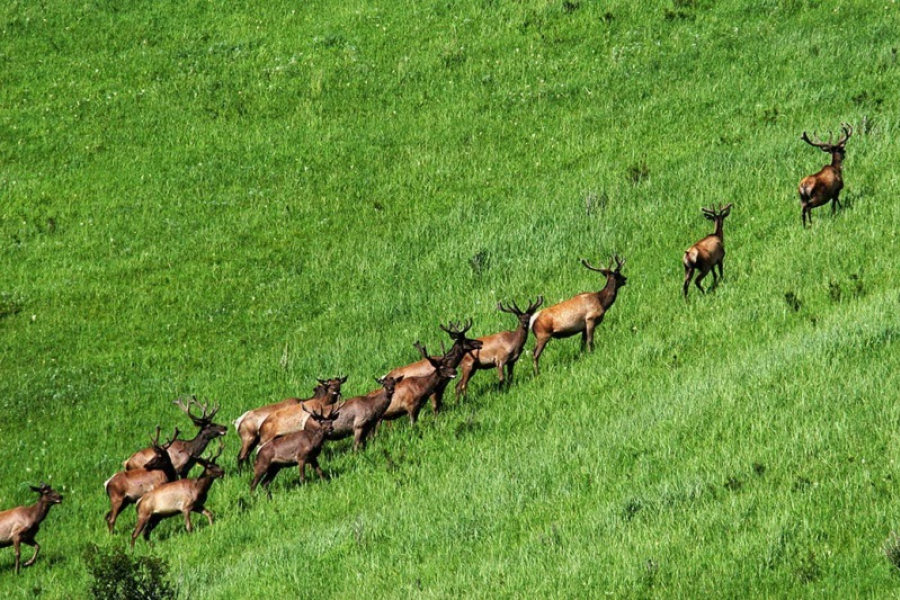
x=314 y=463
x=436 y=400
x=697 y=281
x=721 y=269
x=413 y=414
x=466 y=371
x=509 y=374
x=538 y=349
x=359 y=437
x=18 y=554
x=141 y=524
x=301 y=465
x=589 y=332
x=187 y=520
x=37 y=547
x=112 y=515
x=688 y=275
x=207 y=514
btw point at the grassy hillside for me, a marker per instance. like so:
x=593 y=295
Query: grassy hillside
x=231 y=200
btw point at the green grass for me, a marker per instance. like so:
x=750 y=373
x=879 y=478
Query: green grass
x=231 y=200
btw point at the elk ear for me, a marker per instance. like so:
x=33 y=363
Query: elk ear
x=343 y=379
x=727 y=210
x=38 y=489
x=398 y=379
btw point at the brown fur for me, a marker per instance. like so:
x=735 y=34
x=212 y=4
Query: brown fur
x=707 y=254
x=411 y=393
x=293 y=418
x=826 y=185
x=359 y=415
x=580 y=314
x=20 y=525
x=498 y=351
x=248 y=424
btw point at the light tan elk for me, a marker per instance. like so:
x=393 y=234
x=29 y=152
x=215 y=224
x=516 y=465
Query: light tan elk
x=411 y=393
x=500 y=350
x=19 y=525
x=462 y=346
x=824 y=186
x=580 y=314
x=248 y=424
x=184 y=453
x=299 y=448
x=293 y=418
x=127 y=487
x=183 y=496
x=707 y=254
x=359 y=415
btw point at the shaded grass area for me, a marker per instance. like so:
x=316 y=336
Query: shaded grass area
x=232 y=201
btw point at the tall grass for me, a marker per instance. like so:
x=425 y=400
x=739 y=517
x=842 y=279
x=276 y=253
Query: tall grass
x=231 y=200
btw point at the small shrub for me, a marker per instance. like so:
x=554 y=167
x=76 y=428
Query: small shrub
x=759 y=469
x=480 y=262
x=793 y=301
x=117 y=575
x=734 y=484
x=808 y=570
x=638 y=172
x=834 y=290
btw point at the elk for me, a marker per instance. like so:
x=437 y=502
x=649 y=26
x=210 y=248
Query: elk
x=127 y=487
x=293 y=418
x=183 y=496
x=184 y=453
x=824 y=186
x=462 y=346
x=579 y=314
x=359 y=415
x=19 y=525
x=500 y=350
x=248 y=424
x=411 y=393
x=707 y=254
x=298 y=448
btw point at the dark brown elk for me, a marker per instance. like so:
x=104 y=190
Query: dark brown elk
x=359 y=415
x=293 y=418
x=500 y=350
x=19 y=525
x=127 y=487
x=248 y=424
x=462 y=346
x=825 y=186
x=184 y=453
x=708 y=254
x=411 y=393
x=183 y=496
x=579 y=314
x=299 y=448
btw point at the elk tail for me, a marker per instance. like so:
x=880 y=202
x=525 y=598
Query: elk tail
x=533 y=318
x=237 y=422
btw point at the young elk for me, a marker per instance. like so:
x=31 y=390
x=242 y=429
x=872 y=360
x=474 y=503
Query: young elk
x=708 y=253
x=248 y=424
x=824 y=186
x=580 y=314
x=184 y=453
x=498 y=350
x=127 y=487
x=461 y=348
x=19 y=525
x=411 y=393
x=360 y=414
x=293 y=418
x=298 y=448
x=183 y=496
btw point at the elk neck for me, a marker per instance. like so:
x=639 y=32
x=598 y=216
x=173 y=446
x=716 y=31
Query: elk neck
x=837 y=161
x=608 y=294
x=720 y=222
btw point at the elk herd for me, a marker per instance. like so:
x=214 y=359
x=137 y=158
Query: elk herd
x=293 y=432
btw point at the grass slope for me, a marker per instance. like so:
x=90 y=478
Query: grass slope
x=230 y=200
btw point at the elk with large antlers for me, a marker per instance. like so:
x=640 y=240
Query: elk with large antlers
x=359 y=415
x=183 y=496
x=825 y=186
x=500 y=350
x=248 y=424
x=293 y=418
x=461 y=348
x=127 y=487
x=579 y=314
x=299 y=448
x=184 y=453
x=707 y=254
x=411 y=393
x=19 y=525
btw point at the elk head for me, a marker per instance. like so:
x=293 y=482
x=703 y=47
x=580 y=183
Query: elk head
x=829 y=146
x=389 y=383
x=48 y=494
x=324 y=421
x=610 y=273
x=332 y=388
x=205 y=420
x=161 y=459
x=524 y=316
x=210 y=467
x=461 y=344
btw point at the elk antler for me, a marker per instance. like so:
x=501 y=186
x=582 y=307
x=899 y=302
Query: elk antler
x=456 y=330
x=507 y=309
x=847 y=132
x=817 y=142
x=534 y=305
x=586 y=264
x=205 y=418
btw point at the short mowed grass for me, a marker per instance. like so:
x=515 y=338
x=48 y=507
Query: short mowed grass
x=230 y=200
